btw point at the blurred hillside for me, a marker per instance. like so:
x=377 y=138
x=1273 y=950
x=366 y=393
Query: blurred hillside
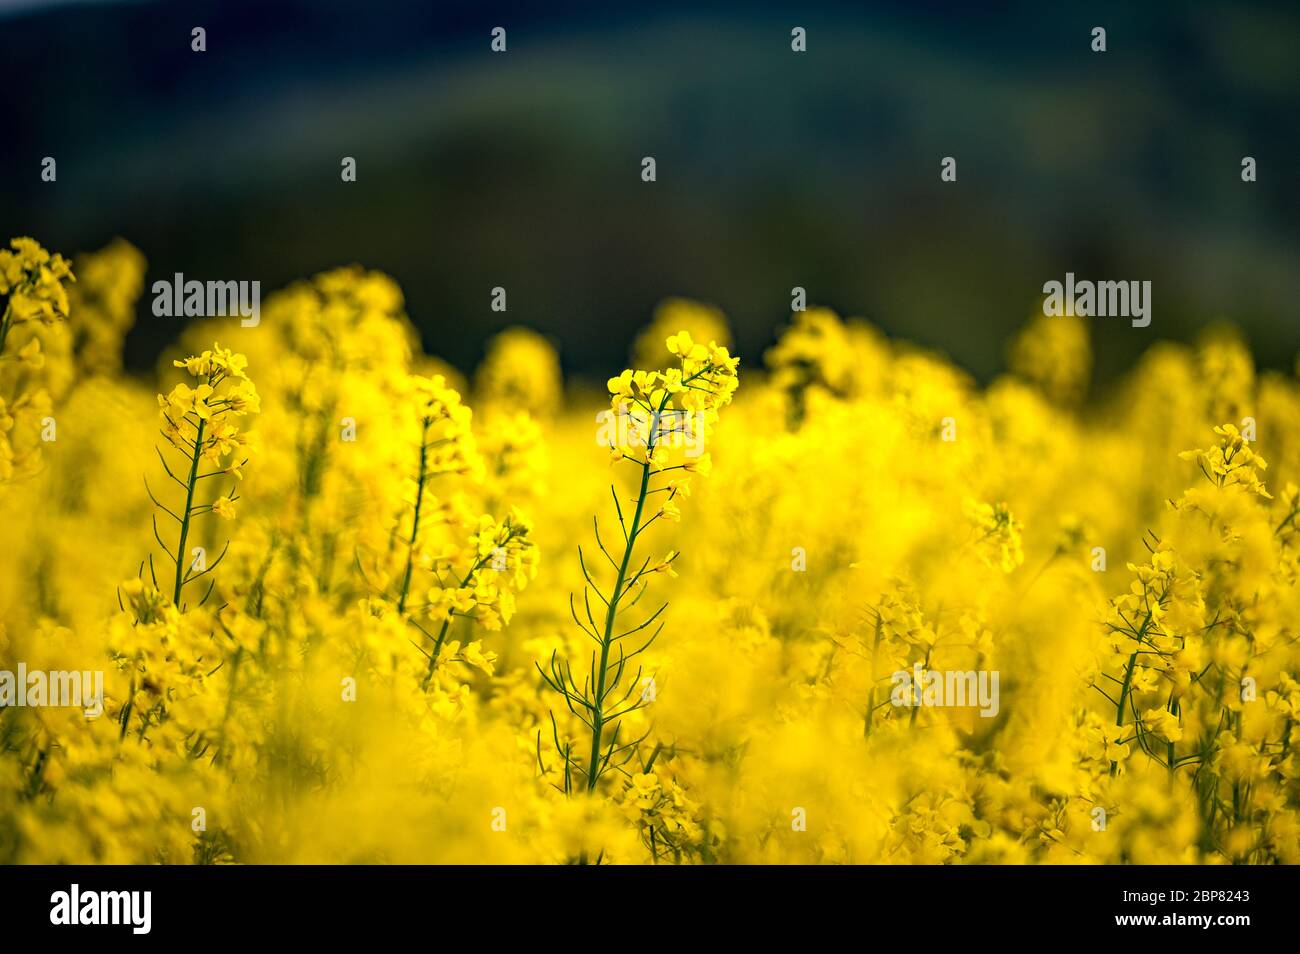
x=775 y=169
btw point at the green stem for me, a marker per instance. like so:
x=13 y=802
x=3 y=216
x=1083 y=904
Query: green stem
x=925 y=668
x=1128 y=672
x=446 y=623
x=1123 y=695
x=185 y=522
x=871 y=697
x=433 y=657
x=126 y=712
x=1169 y=746
x=415 y=523
x=5 y=324
x=611 y=610
x=607 y=639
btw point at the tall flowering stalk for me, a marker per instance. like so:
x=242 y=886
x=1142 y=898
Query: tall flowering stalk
x=1199 y=687
x=477 y=563
x=446 y=446
x=502 y=559
x=659 y=421
x=201 y=424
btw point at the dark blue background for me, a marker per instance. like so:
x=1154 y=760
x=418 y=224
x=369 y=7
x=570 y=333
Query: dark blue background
x=775 y=169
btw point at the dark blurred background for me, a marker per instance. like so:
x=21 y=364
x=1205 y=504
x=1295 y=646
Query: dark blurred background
x=774 y=168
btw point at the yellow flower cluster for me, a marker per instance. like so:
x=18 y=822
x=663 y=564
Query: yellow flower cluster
x=32 y=280
x=201 y=425
x=997 y=535
x=663 y=419
x=908 y=618
x=35 y=297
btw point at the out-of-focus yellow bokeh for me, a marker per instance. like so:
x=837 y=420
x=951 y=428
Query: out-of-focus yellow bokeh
x=364 y=685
